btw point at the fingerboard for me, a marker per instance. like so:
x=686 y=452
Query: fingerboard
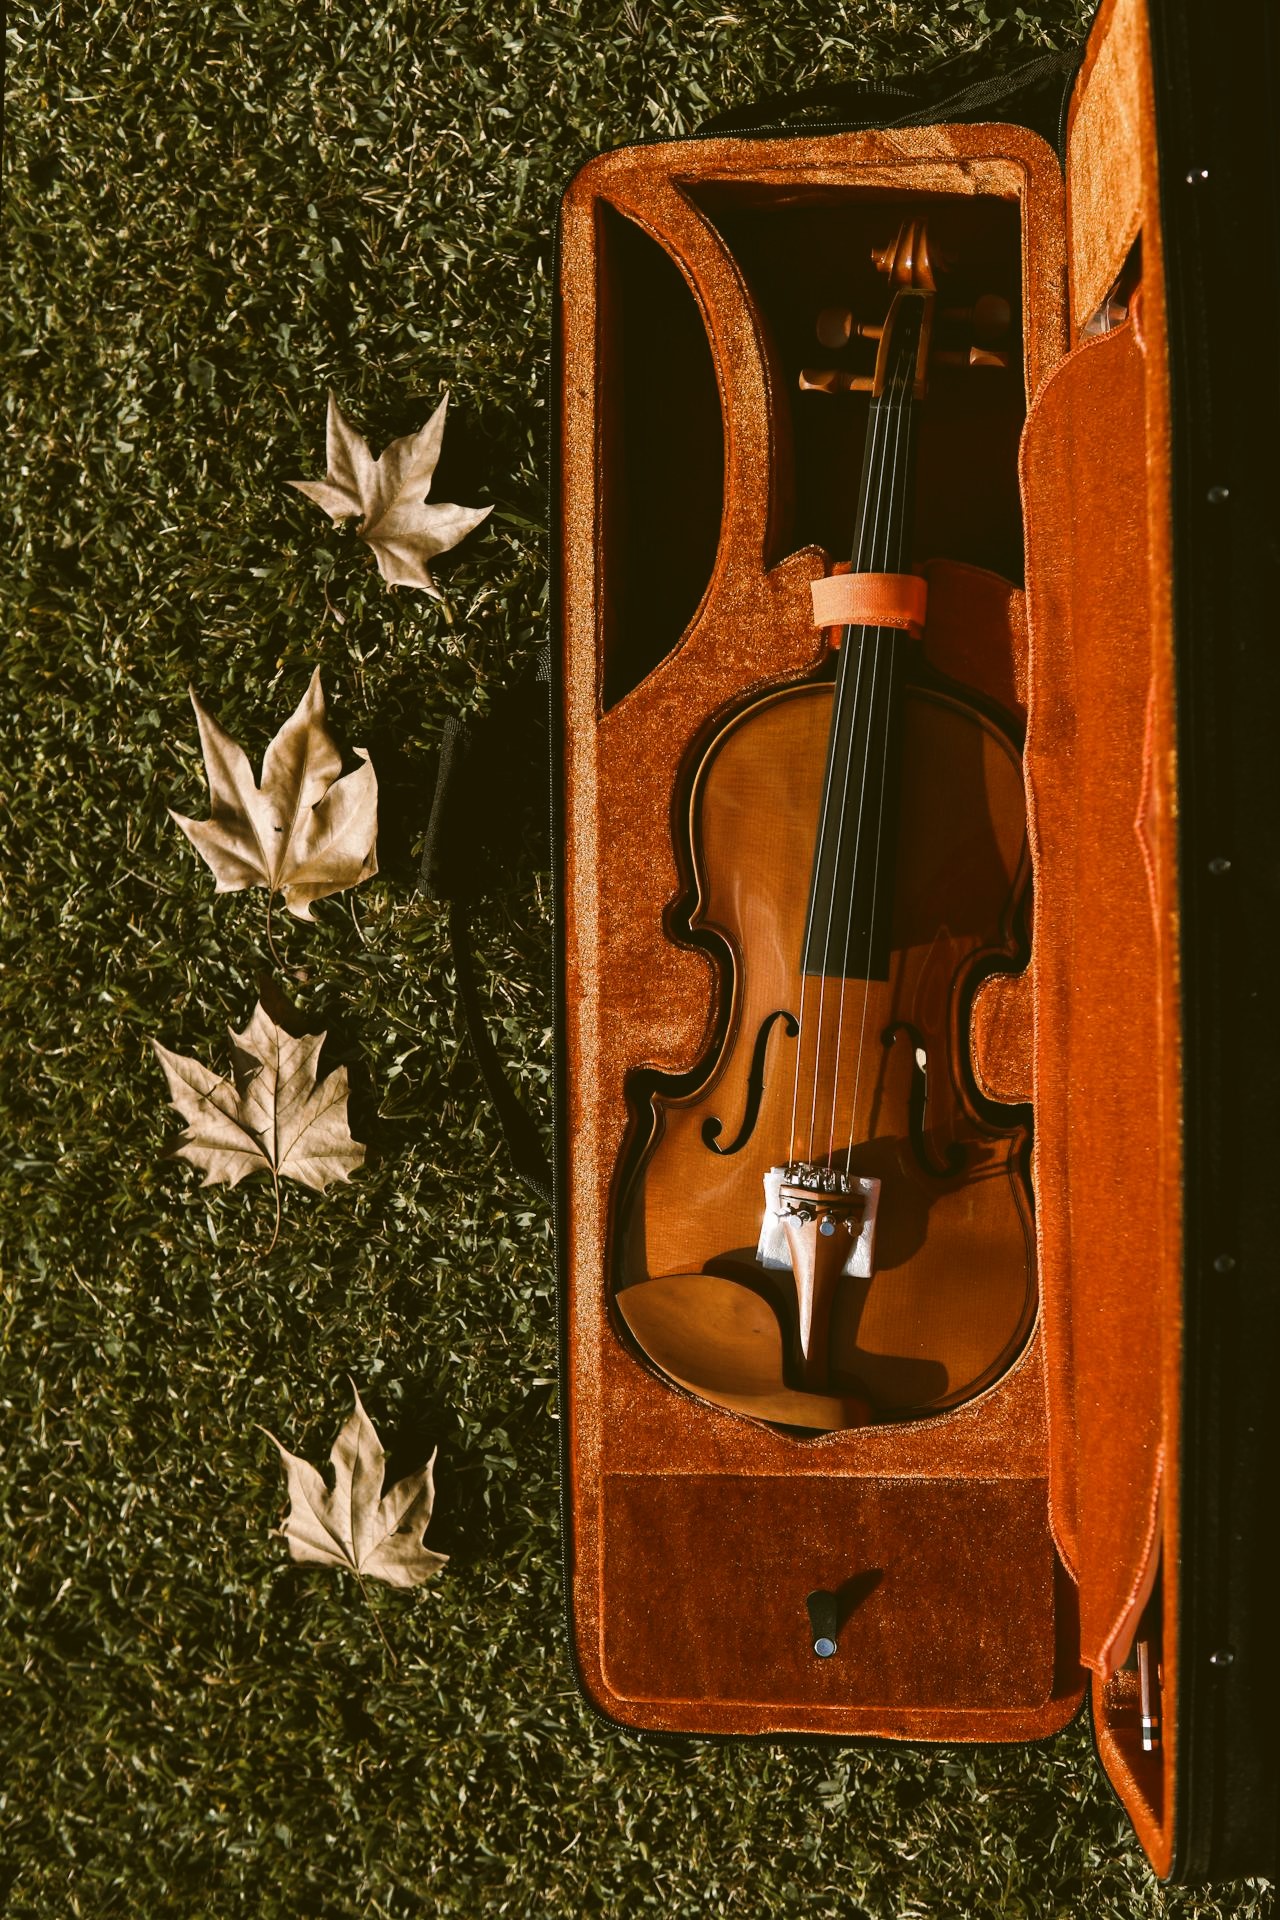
x=851 y=886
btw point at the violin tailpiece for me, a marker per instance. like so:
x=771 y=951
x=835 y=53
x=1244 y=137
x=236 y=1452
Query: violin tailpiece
x=774 y=1249
x=870 y=600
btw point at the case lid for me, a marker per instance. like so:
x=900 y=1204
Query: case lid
x=1150 y=762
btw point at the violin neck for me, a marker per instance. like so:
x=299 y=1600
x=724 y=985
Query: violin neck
x=851 y=889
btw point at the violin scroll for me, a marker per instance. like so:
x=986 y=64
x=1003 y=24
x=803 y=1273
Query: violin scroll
x=906 y=261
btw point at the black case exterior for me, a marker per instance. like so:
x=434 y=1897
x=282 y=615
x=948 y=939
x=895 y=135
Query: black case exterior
x=1217 y=84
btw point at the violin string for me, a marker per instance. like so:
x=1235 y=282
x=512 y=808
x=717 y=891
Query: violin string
x=875 y=884
x=866 y=985
x=879 y=436
x=868 y=546
x=891 y=414
x=857 y=848
x=870 y=560
x=879 y=431
x=881 y=561
x=866 y=555
x=849 y=750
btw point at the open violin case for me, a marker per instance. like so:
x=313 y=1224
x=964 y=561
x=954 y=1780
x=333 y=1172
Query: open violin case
x=1093 y=1511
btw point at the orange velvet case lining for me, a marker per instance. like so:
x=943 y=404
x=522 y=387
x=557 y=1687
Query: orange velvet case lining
x=984 y=1555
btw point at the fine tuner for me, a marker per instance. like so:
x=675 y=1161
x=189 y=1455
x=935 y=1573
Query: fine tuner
x=907 y=262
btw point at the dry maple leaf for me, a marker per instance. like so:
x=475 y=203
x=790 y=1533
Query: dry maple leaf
x=308 y=830
x=271 y=1117
x=389 y=495
x=354 y=1524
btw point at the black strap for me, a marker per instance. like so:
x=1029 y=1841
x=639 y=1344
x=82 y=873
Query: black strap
x=492 y=783
x=948 y=91
x=528 y=1156
x=1040 y=87
x=843 y=100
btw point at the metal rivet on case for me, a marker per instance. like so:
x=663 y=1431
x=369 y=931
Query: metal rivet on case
x=1224 y=1263
x=1218 y=496
x=824 y=1622
x=1222 y=1657
x=1219 y=864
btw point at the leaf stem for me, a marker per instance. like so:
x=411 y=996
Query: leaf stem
x=275 y=1181
x=374 y=1616
x=270 y=942
x=341 y=618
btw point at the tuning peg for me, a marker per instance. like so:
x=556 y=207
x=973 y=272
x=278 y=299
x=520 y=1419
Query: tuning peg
x=974 y=357
x=836 y=327
x=833 y=380
x=990 y=315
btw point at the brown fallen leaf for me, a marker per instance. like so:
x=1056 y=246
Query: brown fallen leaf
x=271 y=1117
x=389 y=494
x=354 y=1524
x=307 y=831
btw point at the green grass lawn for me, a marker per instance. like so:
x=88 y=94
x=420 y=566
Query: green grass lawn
x=216 y=213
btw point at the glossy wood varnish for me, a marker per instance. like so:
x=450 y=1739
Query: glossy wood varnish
x=953 y=1294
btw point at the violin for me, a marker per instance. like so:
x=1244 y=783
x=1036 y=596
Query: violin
x=826 y=1223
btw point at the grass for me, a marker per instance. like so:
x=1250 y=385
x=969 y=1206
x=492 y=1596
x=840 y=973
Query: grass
x=215 y=214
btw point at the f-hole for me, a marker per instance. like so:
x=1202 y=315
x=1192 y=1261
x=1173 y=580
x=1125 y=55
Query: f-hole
x=713 y=1128
x=938 y=1166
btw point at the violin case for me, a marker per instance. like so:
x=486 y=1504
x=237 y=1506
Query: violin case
x=987 y=1567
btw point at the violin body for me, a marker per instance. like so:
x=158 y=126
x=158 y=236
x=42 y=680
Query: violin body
x=952 y=1295
x=828 y=1224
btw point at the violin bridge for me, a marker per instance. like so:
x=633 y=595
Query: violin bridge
x=793 y=1193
